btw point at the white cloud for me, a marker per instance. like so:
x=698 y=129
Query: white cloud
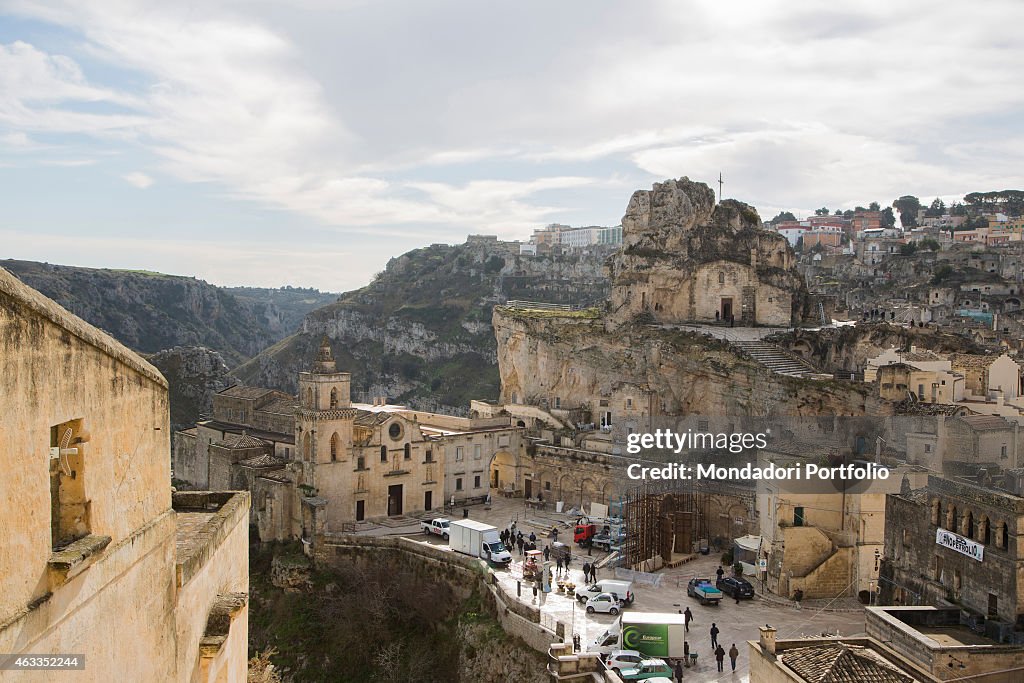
x=138 y=179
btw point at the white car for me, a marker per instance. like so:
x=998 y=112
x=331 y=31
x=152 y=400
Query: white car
x=624 y=659
x=603 y=602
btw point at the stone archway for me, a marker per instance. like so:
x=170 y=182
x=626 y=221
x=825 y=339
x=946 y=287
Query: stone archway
x=568 y=490
x=504 y=472
x=589 y=493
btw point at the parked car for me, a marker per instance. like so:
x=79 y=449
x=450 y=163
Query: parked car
x=606 y=603
x=625 y=659
x=703 y=590
x=735 y=586
x=437 y=527
x=648 y=669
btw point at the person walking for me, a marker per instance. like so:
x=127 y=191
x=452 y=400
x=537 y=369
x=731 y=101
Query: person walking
x=568 y=556
x=586 y=571
x=547 y=553
x=679 y=672
x=714 y=635
x=733 y=654
x=720 y=573
x=533 y=537
x=558 y=563
x=720 y=658
x=689 y=617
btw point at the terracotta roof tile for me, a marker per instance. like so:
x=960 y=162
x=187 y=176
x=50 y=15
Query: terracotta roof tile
x=842 y=663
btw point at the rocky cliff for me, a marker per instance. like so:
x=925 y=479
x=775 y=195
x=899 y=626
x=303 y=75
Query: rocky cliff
x=194 y=374
x=847 y=349
x=150 y=312
x=421 y=332
x=579 y=359
x=682 y=253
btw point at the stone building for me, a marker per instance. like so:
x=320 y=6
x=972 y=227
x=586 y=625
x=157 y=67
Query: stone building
x=684 y=259
x=99 y=557
x=320 y=462
x=898 y=381
x=959 y=541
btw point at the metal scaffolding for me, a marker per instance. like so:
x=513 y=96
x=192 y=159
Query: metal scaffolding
x=662 y=518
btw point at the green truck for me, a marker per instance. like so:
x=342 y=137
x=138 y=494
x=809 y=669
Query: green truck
x=655 y=634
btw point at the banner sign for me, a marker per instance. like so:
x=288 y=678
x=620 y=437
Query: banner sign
x=960 y=544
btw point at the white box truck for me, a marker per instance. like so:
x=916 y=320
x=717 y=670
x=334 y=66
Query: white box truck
x=481 y=540
x=655 y=634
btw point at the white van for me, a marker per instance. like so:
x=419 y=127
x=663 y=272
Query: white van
x=622 y=590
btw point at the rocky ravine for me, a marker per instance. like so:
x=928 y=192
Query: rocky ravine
x=194 y=374
x=421 y=332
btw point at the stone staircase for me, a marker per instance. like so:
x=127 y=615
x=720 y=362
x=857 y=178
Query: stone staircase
x=775 y=359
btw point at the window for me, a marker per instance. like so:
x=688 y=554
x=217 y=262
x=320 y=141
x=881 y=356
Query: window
x=629 y=403
x=558 y=402
x=721 y=278
x=334 y=447
x=395 y=431
x=334 y=398
x=360 y=510
x=429 y=456
x=69 y=511
x=458 y=483
x=459 y=453
x=477 y=451
x=547 y=486
x=287 y=453
x=798 y=516
x=360 y=463
x=407 y=452
x=1002 y=451
x=383 y=453
x=927 y=448
x=476 y=481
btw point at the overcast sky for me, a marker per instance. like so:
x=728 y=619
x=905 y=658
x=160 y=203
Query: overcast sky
x=307 y=142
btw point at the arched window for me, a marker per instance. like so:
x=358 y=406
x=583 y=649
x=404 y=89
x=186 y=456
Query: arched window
x=1003 y=541
x=721 y=278
x=937 y=513
x=968 y=529
x=383 y=453
x=334 y=446
x=407 y=454
x=984 y=532
x=334 y=398
x=307 y=447
x=309 y=398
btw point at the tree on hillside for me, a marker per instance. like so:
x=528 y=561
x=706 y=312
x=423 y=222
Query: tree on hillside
x=873 y=206
x=936 y=208
x=957 y=209
x=821 y=212
x=784 y=216
x=888 y=219
x=908 y=206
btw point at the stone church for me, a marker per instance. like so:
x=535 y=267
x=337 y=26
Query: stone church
x=320 y=462
x=687 y=259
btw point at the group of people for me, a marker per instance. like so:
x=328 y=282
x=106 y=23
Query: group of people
x=513 y=539
x=716 y=647
x=589 y=572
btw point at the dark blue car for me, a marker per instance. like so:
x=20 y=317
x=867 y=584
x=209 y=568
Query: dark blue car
x=735 y=586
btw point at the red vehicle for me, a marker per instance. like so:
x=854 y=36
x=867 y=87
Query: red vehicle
x=583 y=533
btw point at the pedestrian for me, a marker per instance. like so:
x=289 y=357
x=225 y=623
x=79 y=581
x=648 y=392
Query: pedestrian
x=568 y=556
x=736 y=594
x=733 y=654
x=720 y=573
x=686 y=652
x=547 y=553
x=689 y=617
x=586 y=571
x=720 y=658
x=533 y=537
x=679 y=672
x=519 y=542
x=554 y=533
x=576 y=646
x=714 y=635
x=558 y=563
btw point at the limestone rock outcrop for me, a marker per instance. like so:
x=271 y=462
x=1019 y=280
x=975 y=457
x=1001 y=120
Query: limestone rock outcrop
x=685 y=259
